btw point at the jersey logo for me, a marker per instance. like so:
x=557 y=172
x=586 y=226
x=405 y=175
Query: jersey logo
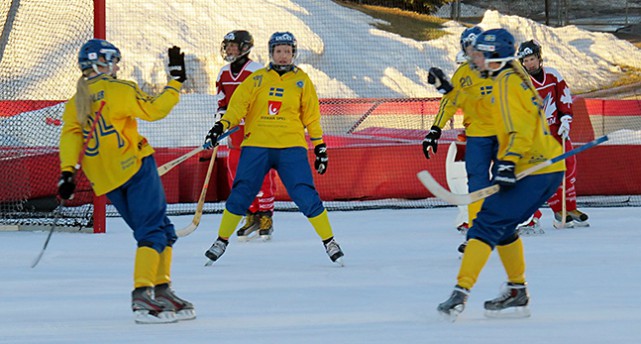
x=274 y=107
x=485 y=90
x=300 y=84
x=549 y=108
x=276 y=91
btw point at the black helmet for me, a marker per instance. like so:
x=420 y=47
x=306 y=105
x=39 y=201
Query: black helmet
x=528 y=48
x=531 y=47
x=244 y=40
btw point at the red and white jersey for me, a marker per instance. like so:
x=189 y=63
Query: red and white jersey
x=226 y=84
x=556 y=95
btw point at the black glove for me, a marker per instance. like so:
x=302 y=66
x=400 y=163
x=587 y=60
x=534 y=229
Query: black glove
x=321 y=158
x=66 y=185
x=430 y=142
x=177 y=64
x=437 y=78
x=213 y=134
x=505 y=174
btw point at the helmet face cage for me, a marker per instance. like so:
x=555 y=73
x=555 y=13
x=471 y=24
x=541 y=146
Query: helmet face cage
x=497 y=45
x=282 y=38
x=91 y=52
x=244 y=40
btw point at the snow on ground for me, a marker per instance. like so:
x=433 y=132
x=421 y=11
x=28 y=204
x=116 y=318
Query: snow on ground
x=399 y=265
x=345 y=55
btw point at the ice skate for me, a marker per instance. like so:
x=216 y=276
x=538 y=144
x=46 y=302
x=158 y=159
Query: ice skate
x=452 y=307
x=512 y=303
x=248 y=230
x=557 y=223
x=184 y=309
x=265 y=226
x=579 y=218
x=149 y=311
x=216 y=250
x=334 y=251
x=530 y=227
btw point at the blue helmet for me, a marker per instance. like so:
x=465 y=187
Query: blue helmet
x=282 y=38
x=468 y=36
x=91 y=52
x=497 y=45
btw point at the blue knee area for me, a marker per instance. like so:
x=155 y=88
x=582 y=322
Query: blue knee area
x=307 y=200
x=239 y=199
x=479 y=153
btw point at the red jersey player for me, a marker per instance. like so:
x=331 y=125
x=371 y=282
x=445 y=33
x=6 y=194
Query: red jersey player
x=235 y=49
x=557 y=105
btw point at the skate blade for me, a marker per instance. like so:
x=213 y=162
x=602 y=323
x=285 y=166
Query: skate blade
x=265 y=237
x=247 y=238
x=581 y=224
x=452 y=316
x=339 y=261
x=144 y=317
x=509 y=313
x=186 y=314
x=209 y=262
x=558 y=225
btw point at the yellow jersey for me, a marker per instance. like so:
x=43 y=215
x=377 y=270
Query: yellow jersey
x=115 y=151
x=277 y=109
x=468 y=93
x=521 y=127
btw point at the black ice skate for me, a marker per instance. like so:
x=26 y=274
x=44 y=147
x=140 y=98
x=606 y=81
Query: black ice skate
x=452 y=307
x=216 y=250
x=266 y=225
x=512 y=303
x=579 y=218
x=558 y=223
x=248 y=230
x=149 y=311
x=183 y=308
x=334 y=251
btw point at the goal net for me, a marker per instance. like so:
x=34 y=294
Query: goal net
x=376 y=105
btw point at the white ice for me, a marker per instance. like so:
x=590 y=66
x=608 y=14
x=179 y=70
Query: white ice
x=399 y=265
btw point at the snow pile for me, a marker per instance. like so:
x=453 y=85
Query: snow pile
x=345 y=55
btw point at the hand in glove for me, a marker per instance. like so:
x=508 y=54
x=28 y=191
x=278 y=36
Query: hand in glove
x=505 y=174
x=214 y=134
x=437 y=78
x=321 y=158
x=564 y=128
x=177 y=64
x=430 y=142
x=66 y=185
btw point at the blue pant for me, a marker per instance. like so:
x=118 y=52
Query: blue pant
x=479 y=154
x=293 y=169
x=496 y=223
x=141 y=203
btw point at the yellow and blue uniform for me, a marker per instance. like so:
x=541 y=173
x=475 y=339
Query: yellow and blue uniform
x=116 y=150
x=471 y=93
x=525 y=139
x=469 y=90
x=119 y=162
x=277 y=110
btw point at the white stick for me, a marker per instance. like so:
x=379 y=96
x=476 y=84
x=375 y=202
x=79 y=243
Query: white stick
x=461 y=199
